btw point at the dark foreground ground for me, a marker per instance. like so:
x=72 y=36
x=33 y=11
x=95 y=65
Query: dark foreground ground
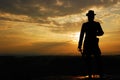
x=52 y=67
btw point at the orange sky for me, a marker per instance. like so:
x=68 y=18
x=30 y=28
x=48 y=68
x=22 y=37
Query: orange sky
x=52 y=27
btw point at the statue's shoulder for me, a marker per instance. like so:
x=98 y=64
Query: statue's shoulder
x=85 y=23
x=96 y=22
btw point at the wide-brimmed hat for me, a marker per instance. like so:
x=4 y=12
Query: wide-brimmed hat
x=90 y=12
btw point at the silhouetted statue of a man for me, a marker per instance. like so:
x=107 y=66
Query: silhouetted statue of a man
x=89 y=31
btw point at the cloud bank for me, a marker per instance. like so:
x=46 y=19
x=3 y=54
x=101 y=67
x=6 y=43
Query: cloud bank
x=40 y=11
x=49 y=8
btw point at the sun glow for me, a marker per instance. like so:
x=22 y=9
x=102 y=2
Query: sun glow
x=75 y=37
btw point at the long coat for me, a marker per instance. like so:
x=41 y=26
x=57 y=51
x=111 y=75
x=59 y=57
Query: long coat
x=88 y=37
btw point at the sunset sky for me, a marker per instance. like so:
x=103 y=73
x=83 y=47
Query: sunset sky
x=52 y=27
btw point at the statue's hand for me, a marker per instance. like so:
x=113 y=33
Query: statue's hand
x=80 y=50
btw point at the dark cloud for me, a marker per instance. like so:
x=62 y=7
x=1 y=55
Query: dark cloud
x=49 y=45
x=9 y=19
x=29 y=20
x=39 y=48
x=47 y=8
x=39 y=10
x=20 y=7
